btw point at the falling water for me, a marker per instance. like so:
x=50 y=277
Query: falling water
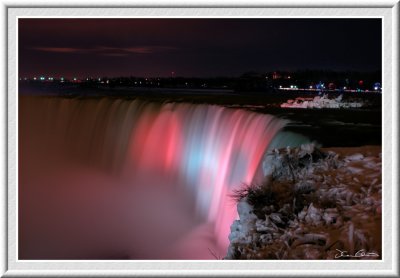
x=112 y=178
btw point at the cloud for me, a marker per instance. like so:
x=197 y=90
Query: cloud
x=104 y=50
x=114 y=54
x=138 y=50
x=108 y=51
x=148 y=49
x=59 y=49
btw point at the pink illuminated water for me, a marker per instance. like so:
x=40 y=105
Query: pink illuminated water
x=130 y=179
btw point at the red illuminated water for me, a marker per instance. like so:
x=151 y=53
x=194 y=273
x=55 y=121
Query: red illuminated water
x=130 y=179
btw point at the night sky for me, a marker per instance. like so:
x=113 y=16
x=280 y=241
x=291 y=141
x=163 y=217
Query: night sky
x=195 y=47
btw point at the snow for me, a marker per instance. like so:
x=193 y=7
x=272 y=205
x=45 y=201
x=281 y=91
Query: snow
x=314 y=204
x=320 y=102
x=354 y=157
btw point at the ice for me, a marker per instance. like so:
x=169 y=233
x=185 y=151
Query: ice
x=330 y=204
x=320 y=102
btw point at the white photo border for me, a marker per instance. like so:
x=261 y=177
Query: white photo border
x=387 y=267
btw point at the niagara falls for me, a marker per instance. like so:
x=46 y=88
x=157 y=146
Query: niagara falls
x=199 y=139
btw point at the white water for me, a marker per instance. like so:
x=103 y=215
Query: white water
x=110 y=179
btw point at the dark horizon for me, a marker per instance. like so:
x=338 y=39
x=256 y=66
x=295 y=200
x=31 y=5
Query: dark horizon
x=195 y=47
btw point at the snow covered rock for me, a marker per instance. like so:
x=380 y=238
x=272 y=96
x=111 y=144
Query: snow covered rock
x=321 y=102
x=311 y=204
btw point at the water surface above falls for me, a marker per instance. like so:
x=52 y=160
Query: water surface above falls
x=329 y=127
x=111 y=178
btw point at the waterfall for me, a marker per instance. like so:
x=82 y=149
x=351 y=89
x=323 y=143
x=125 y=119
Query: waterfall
x=119 y=178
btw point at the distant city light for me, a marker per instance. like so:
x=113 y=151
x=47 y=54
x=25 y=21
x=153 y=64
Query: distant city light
x=315 y=86
x=320 y=85
x=377 y=86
